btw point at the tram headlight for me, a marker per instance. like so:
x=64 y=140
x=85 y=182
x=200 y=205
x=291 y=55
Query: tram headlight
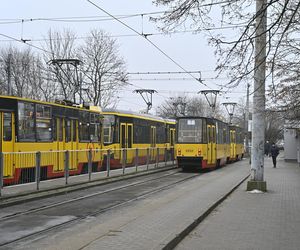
x=179 y=151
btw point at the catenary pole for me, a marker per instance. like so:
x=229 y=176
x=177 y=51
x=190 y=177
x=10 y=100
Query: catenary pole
x=258 y=129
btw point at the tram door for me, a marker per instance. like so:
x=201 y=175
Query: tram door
x=126 y=140
x=232 y=144
x=7 y=133
x=71 y=142
x=211 y=144
x=153 y=150
x=60 y=144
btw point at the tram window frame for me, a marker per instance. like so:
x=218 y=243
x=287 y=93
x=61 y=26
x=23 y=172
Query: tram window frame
x=168 y=132
x=117 y=130
x=160 y=133
x=74 y=129
x=213 y=134
x=141 y=133
x=204 y=131
x=68 y=130
x=224 y=135
x=195 y=133
x=54 y=128
x=60 y=130
x=26 y=122
x=7 y=126
x=95 y=127
x=84 y=127
x=43 y=124
x=109 y=125
x=218 y=133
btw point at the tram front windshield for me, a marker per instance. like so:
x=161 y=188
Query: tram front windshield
x=108 y=128
x=189 y=131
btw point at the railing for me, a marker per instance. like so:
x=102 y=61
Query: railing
x=77 y=166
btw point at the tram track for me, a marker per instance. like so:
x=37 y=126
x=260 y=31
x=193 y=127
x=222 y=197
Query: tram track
x=147 y=187
x=56 y=204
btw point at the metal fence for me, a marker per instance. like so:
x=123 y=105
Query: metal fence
x=77 y=166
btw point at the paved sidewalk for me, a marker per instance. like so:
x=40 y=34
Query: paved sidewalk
x=255 y=221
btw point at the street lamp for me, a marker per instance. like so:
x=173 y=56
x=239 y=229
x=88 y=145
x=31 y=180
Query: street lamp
x=230 y=106
x=211 y=97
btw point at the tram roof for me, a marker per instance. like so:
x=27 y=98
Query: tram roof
x=76 y=106
x=137 y=115
x=200 y=117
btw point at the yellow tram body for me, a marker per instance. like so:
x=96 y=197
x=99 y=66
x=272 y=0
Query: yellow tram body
x=151 y=135
x=203 y=142
x=29 y=126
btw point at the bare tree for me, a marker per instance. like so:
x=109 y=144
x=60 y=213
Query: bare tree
x=25 y=76
x=61 y=45
x=173 y=107
x=236 y=53
x=104 y=71
x=183 y=105
x=274 y=126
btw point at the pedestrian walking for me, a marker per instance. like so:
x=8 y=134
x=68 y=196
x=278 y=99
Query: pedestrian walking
x=274 y=152
x=267 y=148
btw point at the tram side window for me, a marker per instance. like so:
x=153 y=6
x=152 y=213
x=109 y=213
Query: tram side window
x=161 y=133
x=84 y=124
x=68 y=130
x=108 y=128
x=74 y=138
x=26 y=131
x=7 y=127
x=43 y=122
x=95 y=128
x=225 y=135
x=141 y=132
x=204 y=131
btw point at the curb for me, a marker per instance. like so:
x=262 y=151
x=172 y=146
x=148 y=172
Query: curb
x=180 y=236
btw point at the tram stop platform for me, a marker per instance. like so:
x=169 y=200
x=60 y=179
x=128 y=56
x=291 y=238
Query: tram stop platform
x=211 y=212
x=253 y=220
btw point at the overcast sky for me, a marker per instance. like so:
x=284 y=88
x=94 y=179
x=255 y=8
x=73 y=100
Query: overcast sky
x=189 y=50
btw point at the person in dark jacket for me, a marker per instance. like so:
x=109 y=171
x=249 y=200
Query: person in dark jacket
x=267 y=148
x=274 y=152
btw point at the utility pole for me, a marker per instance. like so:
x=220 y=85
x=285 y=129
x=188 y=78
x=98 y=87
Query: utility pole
x=258 y=117
x=247 y=120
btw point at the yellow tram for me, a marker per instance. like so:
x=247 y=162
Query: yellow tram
x=152 y=136
x=203 y=143
x=236 y=143
x=28 y=126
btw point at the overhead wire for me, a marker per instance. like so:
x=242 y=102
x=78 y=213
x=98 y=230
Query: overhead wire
x=145 y=37
x=79 y=18
x=135 y=35
x=25 y=42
